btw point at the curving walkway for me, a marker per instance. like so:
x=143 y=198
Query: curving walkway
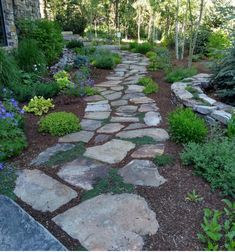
x=112 y=120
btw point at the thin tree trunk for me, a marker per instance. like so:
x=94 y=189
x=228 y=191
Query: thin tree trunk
x=138 y=23
x=194 y=36
x=183 y=33
x=177 y=31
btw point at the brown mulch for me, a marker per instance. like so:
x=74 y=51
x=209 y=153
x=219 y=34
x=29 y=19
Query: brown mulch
x=179 y=219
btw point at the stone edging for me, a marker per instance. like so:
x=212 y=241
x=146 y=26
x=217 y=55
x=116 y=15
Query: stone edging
x=211 y=109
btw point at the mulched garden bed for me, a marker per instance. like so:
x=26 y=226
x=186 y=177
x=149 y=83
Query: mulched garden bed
x=179 y=219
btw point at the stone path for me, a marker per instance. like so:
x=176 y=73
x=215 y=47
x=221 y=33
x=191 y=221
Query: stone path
x=112 y=119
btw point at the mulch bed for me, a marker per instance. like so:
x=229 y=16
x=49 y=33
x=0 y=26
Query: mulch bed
x=179 y=219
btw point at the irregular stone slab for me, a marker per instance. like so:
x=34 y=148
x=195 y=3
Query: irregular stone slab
x=45 y=156
x=152 y=118
x=205 y=110
x=149 y=151
x=83 y=172
x=20 y=232
x=221 y=116
x=148 y=107
x=97 y=107
x=107 y=92
x=109 y=83
x=110 y=222
x=42 y=192
x=111 y=128
x=157 y=134
x=113 y=96
x=118 y=88
x=114 y=78
x=81 y=136
x=94 y=98
x=136 y=126
x=127 y=109
x=87 y=124
x=101 y=138
x=119 y=103
x=134 y=89
x=111 y=152
x=141 y=100
x=97 y=115
x=124 y=119
x=133 y=96
x=207 y=99
x=142 y=172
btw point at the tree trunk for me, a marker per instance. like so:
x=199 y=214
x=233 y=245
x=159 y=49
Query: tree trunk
x=194 y=36
x=177 y=31
x=138 y=23
x=183 y=33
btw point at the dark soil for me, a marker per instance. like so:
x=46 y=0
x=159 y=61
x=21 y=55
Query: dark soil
x=179 y=219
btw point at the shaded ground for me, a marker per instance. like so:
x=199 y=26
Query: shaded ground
x=179 y=220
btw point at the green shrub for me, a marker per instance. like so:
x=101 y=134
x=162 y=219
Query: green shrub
x=9 y=72
x=104 y=62
x=185 y=126
x=143 y=48
x=30 y=57
x=202 y=41
x=178 y=74
x=133 y=45
x=39 y=105
x=74 y=44
x=62 y=79
x=214 y=161
x=59 y=124
x=217 y=43
x=12 y=140
x=80 y=61
x=149 y=85
x=151 y=54
x=46 y=33
x=231 y=127
x=163 y=160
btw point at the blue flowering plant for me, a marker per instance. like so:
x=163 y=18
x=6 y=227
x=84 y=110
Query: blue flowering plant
x=12 y=137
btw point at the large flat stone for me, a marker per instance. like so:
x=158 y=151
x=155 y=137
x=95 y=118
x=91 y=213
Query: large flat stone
x=142 y=172
x=111 y=128
x=42 y=192
x=111 y=152
x=91 y=125
x=149 y=151
x=110 y=83
x=136 y=126
x=141 y=100
x=113 y=96
x=94 y=98
x=127 y=109
x=134 y=89
x=152 y=118
x=81 y=136
x=45 y=156
x=101 y=138
x=119 y=103
x=97 y=107
x=110 y=222
x=157 y=134
x=148 y=107
x=133 y=96
x=20 y=232
x=83 y=172
x=124 y=119
x=97 y=115
x=221 y=116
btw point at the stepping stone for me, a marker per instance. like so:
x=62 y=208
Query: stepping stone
x=45 y=156
x=119 y=103
x=83 y=172
x=149 y=151
x=108 y=83
x=42 y=192
x=81 y=136
x=111 y=152
x=152 y=118
x=134 y=89
x=97 y=115
x=97 y=108
x=142 y=172
x=110 y=222
x=108 y=92
x=124 y=119
x=141 y=100
x=127 y=109
x=133 y=96
x=113 y=96
x=118 y=88
x=148 y=107
x=101 y=138
x=20 y=232
x=87 y=124
x=157 y=134
x=113 y=78
x=136 y=126
x=111 y=128
x=94 y=98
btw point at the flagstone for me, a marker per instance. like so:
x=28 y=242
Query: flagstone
x=111 y=128
x=81 y=136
